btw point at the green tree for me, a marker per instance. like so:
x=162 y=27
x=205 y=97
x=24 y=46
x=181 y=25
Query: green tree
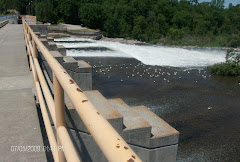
x=91 y=15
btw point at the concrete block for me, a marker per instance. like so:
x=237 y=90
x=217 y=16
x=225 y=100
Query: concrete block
x=163 y=133
x=50 y=39
x=70 y=63
x=58 y=56
x=83 y=80
x=37 y=33
x=62 y=50
x=106 y=109
x=69 y=59
x=83 y=67
x=80 y=71
x=44 y=41
x=41 y=28
x=43 y=35
x=137 y=131
x=51 y=46
x=78 y=66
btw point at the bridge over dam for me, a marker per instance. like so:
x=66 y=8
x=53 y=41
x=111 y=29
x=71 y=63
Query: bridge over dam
x=49 y=111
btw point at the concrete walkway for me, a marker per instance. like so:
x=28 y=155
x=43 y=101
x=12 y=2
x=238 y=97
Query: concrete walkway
x=19 y=124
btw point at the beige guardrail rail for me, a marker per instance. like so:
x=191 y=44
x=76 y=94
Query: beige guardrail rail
x=110 y=142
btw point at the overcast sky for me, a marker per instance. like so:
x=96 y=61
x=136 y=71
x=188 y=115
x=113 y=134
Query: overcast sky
x=234 y=2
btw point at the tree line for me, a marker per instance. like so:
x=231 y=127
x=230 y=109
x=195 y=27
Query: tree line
x=174 y=22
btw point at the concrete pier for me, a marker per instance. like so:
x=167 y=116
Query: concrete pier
x=19 y=126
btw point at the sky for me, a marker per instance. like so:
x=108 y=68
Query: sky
x=234 y=2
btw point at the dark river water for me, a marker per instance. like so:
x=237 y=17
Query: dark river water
x=204 y=108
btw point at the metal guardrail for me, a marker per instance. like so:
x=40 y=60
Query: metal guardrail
x=12 y=19
x=5 y=17
x=3 y=23
x=109 y=141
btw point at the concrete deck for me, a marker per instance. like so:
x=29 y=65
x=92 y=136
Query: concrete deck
x=19 y=124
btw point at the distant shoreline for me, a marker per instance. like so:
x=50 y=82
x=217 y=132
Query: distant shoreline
x=136 y=42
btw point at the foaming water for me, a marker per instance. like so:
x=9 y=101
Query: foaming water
x=149 y=55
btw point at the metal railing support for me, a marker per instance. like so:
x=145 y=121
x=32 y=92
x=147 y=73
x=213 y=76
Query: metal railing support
x=35 y=55
x=59 y=113
x=35 y=77
x=67 y=146
x=47 y=123
x=46 y=91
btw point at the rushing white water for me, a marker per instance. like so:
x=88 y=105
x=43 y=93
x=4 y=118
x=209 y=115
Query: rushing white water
x=149 y=55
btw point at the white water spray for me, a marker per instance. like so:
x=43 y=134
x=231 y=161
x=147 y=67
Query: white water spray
x=149 y=55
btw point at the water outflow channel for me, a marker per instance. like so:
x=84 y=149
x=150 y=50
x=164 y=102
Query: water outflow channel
x=174 y=84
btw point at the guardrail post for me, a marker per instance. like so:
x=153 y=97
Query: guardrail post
x=28 y=44
x=60 y=117
x=35 y=55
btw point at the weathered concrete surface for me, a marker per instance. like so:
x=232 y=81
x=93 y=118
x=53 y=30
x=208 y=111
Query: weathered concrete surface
x=162 y=133
x=19 y=124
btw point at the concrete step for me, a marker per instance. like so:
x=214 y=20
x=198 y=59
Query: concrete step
x=103 y=106
x=44 y=41
x=137 y=131
x=106 y=109
x=163 y=133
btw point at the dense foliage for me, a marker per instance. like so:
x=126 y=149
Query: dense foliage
x=19 y=5
x=180 y=22
x=230 y=67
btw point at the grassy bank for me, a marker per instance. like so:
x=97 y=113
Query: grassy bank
x=230 y=67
